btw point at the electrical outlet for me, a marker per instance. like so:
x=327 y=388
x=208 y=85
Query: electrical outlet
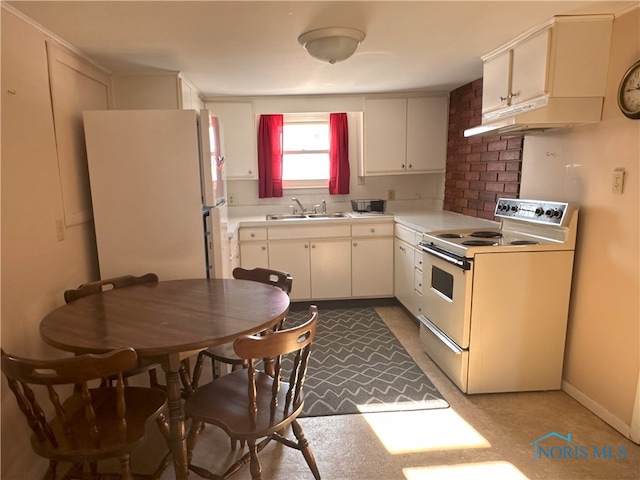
x=391 y=194
x=618 y=181
x=360 y=180
x=231 y=199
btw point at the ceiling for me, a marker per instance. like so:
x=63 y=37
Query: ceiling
x=245 y=48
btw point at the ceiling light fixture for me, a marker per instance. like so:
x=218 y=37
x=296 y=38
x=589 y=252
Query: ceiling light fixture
x=332 y=44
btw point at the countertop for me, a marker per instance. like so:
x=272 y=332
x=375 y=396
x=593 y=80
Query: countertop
x=421 y=220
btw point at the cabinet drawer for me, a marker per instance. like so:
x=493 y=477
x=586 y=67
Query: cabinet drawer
x=253 y=234
x=406 y=234
x=372 y=230
x=323 y=231
x=417 y=281
x=417 y=260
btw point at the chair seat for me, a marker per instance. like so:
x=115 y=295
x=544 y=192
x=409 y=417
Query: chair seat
x=225 y=353
x=141 y=405
x=225 y=403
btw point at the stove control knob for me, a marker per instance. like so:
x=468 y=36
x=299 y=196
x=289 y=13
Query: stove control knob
x=557 y=213
x=539 y=211
x=514 y=208
x=549 y=213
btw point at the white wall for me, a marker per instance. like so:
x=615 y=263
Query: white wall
x=602 y=362
x=36 y=267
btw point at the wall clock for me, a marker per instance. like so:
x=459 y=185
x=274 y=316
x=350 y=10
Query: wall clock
x=629 y=92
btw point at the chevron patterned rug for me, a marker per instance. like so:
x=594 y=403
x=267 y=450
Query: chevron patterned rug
x=357 y=365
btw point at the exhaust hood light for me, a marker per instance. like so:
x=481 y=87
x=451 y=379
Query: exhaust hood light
x=332 y=44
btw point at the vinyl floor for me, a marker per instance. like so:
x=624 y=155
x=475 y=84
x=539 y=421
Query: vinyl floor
x=479 y=437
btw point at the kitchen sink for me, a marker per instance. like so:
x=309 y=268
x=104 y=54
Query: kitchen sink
x=299 y=216
x=277 y=216
x=327 y=215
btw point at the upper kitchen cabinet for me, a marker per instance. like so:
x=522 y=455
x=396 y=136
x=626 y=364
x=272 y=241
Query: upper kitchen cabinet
x=238 y=138
x=566 y=57
x=405 y=135
x=161 y=91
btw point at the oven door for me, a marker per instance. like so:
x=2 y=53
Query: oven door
x=446 y=287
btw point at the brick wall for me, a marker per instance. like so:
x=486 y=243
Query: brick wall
x=479 y=169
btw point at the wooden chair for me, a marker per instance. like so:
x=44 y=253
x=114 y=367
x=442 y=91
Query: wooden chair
x=108 y=284
x=99 y=286
x=251 y=405
x=225 y=353
x=92 y=424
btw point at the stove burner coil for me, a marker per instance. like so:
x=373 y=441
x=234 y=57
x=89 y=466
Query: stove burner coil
x=524 y=242
x=449 y=235
x=479 y=243
x=486 y=234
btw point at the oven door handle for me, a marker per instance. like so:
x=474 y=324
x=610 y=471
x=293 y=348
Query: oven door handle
x=461 y=262
x=443 y=337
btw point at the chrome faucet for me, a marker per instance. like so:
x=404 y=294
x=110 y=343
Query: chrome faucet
x=324 y=206
x=302 y=209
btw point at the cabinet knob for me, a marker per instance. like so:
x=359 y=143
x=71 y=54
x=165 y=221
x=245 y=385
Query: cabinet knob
x=250 y=172
x=513 y=95
x=502 y=99
x=410 y=165
x=263 y=247
x=355 y=244
x=373 y=230
x=253 y=235
x=306 y=245
x=313 y=246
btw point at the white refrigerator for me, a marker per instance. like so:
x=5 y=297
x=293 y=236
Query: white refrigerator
x=157 y=189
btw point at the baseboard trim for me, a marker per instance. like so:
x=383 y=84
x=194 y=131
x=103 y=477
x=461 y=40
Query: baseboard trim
x=598 y=410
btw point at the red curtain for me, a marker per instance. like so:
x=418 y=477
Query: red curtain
x=270 y=156
x=338 y=154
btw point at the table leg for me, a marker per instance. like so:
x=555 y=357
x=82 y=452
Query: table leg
x=176 y=418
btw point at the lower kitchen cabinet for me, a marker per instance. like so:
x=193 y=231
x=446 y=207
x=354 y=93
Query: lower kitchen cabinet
x=330 y=269
x=321 y=269
x=407 y=275
x=418 y=282
x=372 y=260
x=318 y=257
x=293 y=257
x=254 y=249
x=327 y=261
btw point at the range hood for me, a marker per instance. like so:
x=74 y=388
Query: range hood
x=539 y=114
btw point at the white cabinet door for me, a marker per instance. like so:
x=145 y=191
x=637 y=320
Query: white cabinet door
x=517 y=74
x=239 y=140
x=372 y=267
x=293 y=257
x=427 y=124
x=496 y=82
x=254 y=254
x=529 y=71
x=405 y=135
x=404 y=273
x=385 y=135
x=330 y=269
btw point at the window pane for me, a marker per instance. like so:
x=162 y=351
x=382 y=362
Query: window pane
x=305 y=166
x=306 y=136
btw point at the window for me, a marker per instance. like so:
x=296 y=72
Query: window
x=305 y=160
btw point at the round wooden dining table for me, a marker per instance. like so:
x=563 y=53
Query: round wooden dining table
x=167 y=322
